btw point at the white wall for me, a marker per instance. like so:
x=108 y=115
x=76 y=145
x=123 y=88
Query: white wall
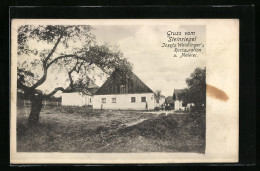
x=76 y=99
x=177 y=105
x=123 y=101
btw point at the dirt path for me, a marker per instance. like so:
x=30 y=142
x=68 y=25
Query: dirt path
x=134 y=123
x=165 y=112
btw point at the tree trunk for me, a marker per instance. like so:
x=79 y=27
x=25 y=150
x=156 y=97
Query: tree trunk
x=35 y=109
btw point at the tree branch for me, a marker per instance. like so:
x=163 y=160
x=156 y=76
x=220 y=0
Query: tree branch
x=47 y=65
x=55 y=91
x=70 y=77
x=71 y=80
x=61 y=57
x=40 y=81
x=79 y=67
x=45 y=69
x=52 y=51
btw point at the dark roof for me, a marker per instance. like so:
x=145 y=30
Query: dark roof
x=128 y=79
x=176 y=93
x=93 y=85
x=93 y=90
x=169 y=99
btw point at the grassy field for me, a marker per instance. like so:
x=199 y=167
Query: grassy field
x=80 y=129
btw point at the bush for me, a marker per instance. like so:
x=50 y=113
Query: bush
x=156 y=108
x=199 y=109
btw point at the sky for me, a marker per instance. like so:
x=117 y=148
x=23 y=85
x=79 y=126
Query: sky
x=152 y=63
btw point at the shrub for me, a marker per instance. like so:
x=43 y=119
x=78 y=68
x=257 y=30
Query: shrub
x=156 y=108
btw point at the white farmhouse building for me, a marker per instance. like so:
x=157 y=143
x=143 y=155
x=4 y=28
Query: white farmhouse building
x=124 y=90
x=75 y=97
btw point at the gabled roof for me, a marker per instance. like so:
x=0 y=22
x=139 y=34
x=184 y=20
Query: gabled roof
x=176 y=94
x=93 y=90
x=128 y=79
x=169 y=99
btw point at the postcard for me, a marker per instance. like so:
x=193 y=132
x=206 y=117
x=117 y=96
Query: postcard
x=124 y=91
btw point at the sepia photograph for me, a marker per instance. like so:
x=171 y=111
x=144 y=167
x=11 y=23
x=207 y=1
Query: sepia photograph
x=100 y=87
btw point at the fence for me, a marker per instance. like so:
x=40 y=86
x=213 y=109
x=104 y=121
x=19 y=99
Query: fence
x=24 y=106
x=44 y=102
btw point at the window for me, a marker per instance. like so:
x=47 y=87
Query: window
x=143 y=99
x=103 y=100
x=122 y=89
x=113 y=100
x=132 y=99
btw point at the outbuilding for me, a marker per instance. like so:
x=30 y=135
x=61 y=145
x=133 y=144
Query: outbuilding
x=78 y=97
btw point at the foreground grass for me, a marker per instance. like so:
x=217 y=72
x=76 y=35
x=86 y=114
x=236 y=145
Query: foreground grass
x=80 y=129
